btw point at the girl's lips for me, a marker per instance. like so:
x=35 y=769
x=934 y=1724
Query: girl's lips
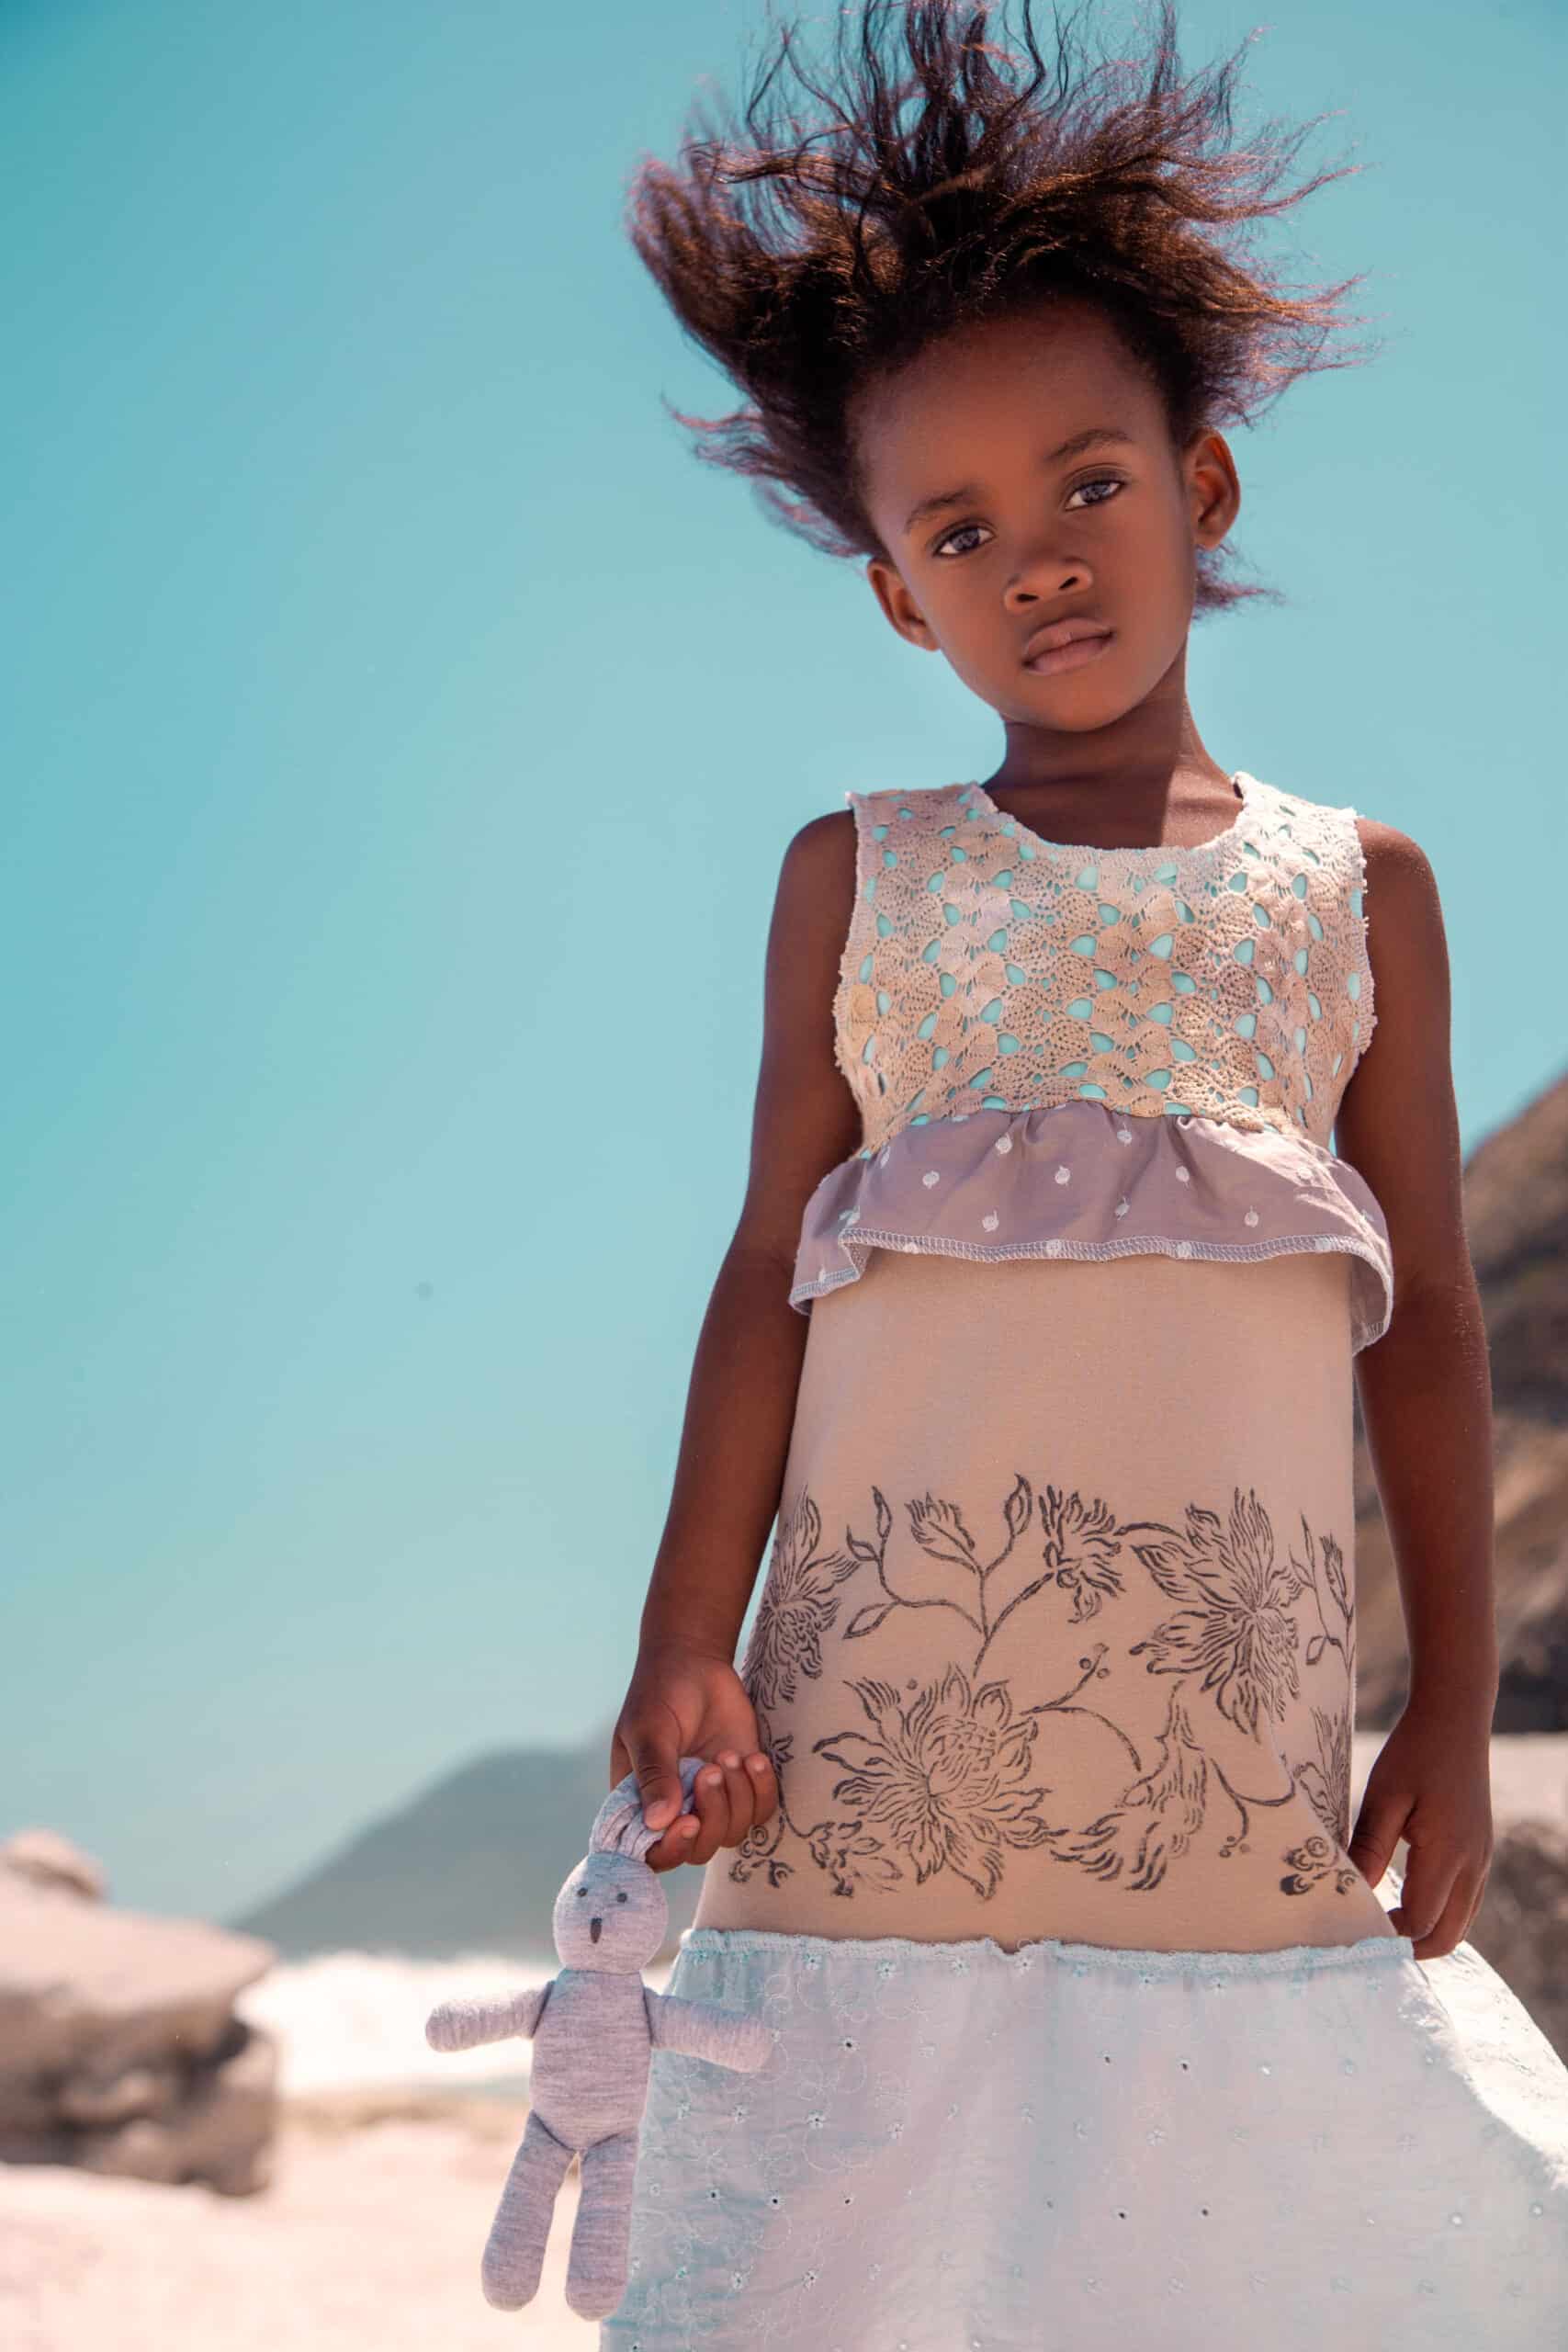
x=1070 y=657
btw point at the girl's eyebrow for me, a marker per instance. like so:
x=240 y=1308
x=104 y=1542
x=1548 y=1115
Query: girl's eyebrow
x=1094 y=437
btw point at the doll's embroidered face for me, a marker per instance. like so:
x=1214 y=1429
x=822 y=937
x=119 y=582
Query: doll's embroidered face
x=995 y=530
x=611 y=1915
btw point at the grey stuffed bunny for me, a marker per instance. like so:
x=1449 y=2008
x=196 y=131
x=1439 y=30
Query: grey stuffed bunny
x=593 y=2027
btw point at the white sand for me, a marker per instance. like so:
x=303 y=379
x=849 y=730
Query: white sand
x=368 y=2240
x=1529 y=1774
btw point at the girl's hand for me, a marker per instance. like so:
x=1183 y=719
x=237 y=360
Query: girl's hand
x=686 y=1701
x=1432 y=1784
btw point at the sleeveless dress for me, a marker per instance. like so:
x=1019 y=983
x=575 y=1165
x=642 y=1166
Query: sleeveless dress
x=1088 y=2030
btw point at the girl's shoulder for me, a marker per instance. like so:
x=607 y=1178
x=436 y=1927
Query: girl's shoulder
x=1397 y=879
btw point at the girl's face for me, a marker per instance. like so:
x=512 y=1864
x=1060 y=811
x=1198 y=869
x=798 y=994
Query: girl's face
x=996 y=530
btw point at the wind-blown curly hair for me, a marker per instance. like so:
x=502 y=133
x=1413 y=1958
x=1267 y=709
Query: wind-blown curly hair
x=996 y=195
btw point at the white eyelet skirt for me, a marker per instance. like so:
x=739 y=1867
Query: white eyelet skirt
x=1084 y=2148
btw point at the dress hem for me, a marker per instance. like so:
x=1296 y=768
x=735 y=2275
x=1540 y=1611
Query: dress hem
x=700 y=1943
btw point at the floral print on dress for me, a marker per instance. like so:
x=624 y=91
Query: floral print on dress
x=946 y=1776
x=945 y=1773
x=797 y=1608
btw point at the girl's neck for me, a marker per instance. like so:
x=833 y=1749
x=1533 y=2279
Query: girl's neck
x=1144 y=778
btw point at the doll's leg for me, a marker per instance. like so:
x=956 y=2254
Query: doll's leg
x=596 y=2269
x=515 y=2251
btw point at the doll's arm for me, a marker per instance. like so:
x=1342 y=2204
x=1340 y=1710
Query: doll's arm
x=463 y=2025
x=699 y=2029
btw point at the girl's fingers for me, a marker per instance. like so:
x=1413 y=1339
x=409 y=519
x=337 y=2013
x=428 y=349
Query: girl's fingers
x=711 y=1805
x=674 y=1845
x=738 y=1789
x=721 y=1812
x=764 y=1784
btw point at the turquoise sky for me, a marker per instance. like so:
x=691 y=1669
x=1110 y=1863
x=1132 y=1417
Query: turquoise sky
x=401 y=733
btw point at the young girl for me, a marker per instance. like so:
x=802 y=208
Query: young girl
x=1027 y=1827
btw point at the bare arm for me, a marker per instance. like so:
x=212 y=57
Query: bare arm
x=740 y=1403
x=1424 y=1386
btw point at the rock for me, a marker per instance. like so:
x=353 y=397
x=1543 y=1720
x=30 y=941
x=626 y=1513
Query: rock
x=1515 y=1222
x=85 y=1988
x=220 y=2131
x=47 y=1858
x=140 y=2090
x=119 y=2048
x=1522 y=1927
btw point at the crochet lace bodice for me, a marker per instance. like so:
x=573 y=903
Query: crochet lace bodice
x=987 y=967
x=1062 y=1050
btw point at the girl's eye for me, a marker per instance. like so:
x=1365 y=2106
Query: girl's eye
x=958 y=534
x=1100 y=481
x=622 y=1896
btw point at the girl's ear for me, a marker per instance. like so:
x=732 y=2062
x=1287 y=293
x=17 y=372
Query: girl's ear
x=1214 y=488
x=899 y=607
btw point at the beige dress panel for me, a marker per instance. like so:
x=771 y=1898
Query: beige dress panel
x=1056 y=1637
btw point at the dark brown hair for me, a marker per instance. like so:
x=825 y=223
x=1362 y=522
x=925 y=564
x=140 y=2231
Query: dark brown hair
x=808 y=260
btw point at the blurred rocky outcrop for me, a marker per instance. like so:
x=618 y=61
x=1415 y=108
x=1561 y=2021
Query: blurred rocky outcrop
x=1516 y=1215
x=119 y=2048
x=1522 y=1924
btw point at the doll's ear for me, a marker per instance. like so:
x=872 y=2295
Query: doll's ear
x=619 y=1828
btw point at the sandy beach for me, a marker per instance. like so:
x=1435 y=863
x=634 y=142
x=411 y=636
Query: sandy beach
x=369 y=2235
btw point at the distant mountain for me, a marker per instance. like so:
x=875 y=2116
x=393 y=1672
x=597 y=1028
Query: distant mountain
x=475 y=1864
x=1516 y=1212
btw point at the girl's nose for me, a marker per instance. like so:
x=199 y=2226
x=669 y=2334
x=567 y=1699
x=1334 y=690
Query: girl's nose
x=593 y=1927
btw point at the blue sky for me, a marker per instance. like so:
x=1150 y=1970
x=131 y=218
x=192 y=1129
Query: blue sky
x=402 y=734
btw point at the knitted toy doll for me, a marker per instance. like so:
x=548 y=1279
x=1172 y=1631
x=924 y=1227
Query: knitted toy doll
x=593 y=2027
